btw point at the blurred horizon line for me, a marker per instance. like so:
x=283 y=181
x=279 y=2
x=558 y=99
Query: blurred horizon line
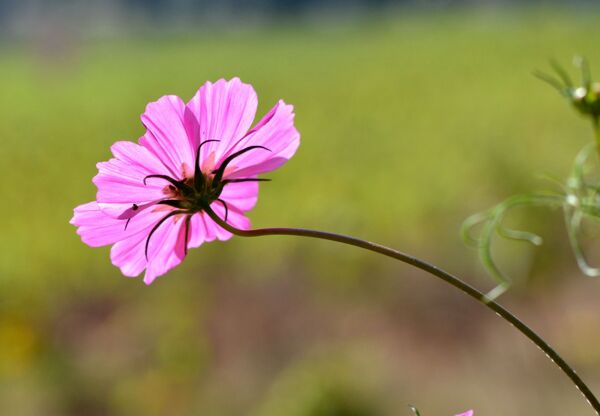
x=34 y=19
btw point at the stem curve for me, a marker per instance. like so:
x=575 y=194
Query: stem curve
x=434 y=270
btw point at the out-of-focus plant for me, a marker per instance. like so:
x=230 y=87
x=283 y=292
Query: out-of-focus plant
x=322 y=385
x=578 y=196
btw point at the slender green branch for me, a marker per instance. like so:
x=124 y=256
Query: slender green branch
x=492 y=225
x=573 y=220
x=434 y=270
x=577 y=180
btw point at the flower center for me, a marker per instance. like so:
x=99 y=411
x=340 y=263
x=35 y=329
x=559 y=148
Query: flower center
x=193 y=194
x=196 y=194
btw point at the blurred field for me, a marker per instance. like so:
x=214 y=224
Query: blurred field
x=409 y=123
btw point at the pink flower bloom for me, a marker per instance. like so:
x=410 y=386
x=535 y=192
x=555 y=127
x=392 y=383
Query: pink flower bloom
x=151 y=195
x=467 y=413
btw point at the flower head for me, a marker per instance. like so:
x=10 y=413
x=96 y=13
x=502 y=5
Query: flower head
x=152 y=195
x=585 y=97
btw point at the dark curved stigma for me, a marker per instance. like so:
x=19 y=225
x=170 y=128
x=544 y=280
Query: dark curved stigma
x=179 y=185
x=194 y=196
x=157 y=225
x=188 y=218
x=224 y=206
x=199 y=180
x=175 y=203
x=221 y=170
x=226 y=181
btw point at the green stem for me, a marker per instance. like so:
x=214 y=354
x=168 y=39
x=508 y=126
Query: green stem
x=434 y=270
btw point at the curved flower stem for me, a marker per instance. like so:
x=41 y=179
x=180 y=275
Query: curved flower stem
x=434 y=270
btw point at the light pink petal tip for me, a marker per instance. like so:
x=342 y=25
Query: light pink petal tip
x=224 y=111
x=170 y=134
x=467 y=413
x=277 y=133
x=97 y=229
x=127 y=209
x=120 y=181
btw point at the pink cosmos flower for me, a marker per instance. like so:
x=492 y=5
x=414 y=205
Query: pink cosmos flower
x=417 y=413
x=151 y=195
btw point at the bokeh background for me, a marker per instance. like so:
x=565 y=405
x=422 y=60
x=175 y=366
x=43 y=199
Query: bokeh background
x=413 y=115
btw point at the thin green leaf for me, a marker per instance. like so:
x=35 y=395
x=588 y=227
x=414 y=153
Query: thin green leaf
x=550 y=80
x=560 y=71
x=573 y=222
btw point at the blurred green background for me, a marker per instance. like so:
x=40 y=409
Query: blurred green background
x=411 y=119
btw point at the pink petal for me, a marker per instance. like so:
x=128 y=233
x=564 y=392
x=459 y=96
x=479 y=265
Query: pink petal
x=209 y=228
x=242 y=196
x=98 y=229
x=225 y=111
x=238 y=219
x=214 y=229
x=170 y=134
x=277 y=133
x=234 y=217
x=203 y=229
x=120 y=181
x=467 y=413
x=166 y=248
x=128 y=255
x=197 y=232
x=138 y=156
